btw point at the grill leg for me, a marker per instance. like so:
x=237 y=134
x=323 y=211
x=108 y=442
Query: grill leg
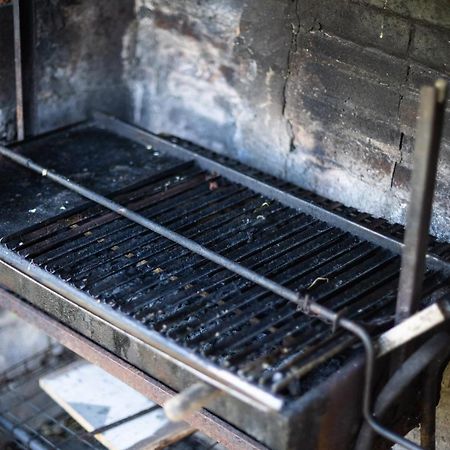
x=429 y=402
x=428 y=135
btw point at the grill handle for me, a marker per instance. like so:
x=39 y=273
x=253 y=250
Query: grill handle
x=189 y=401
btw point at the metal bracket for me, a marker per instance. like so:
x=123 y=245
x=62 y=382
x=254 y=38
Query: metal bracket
x=18 y=71
x=414 y=326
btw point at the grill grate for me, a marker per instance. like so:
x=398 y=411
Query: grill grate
x=208 y=309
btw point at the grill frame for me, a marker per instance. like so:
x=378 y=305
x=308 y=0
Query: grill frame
x=299 y=424
x=50 y=301
x=217 y=429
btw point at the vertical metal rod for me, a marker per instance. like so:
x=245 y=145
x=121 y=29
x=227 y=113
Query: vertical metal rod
x=431 y=384
x=430 y=398
x=428 y=135
x=20 y=124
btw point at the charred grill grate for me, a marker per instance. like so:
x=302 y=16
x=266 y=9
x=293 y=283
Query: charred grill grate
x=208 y=309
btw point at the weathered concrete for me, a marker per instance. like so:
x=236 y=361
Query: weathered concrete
x=199 y=70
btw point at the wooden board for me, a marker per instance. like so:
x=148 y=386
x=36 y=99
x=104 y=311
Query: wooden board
x=96 y=399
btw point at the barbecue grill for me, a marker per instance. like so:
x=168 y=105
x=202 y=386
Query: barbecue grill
x=182 y=271
x=168 y=310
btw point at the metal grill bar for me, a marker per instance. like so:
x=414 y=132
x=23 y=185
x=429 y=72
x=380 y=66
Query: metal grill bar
x=167 y=252
x=199 y=268
x=278 y=263
x=205 y=307
x=66 y=236
x=128 y=252
x=88 y=251
x=44 y=229
x=157 y=228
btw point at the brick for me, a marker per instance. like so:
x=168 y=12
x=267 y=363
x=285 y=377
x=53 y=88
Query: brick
x=272 y=45
x=355 y=59
x=436 y=12
x=418 y=77
x=336 y=121
x=431 y=47
x=348 y=92
x=401 y=178
x=346 y=88
x=366 y=26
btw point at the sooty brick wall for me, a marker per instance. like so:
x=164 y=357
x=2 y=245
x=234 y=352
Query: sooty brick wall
x=321 y=92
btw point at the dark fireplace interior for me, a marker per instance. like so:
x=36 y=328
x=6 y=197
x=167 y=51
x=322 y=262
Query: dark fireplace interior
x=320 y=93
x=301 y=116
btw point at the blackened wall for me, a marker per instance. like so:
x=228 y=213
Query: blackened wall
x=321 y=92
x=75 y=52
x=356 y=72
x=214 y=73
x=78 y=64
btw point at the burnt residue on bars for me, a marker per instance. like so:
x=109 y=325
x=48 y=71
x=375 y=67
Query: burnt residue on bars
x=203 y=306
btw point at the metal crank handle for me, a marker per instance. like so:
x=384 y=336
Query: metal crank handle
x=189 y=401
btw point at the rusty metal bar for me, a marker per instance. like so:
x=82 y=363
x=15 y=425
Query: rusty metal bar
x=428 y=135
x=428 y=407
x=420 y=323
x=435 y=348
x=209 y=424
x=20 y=124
